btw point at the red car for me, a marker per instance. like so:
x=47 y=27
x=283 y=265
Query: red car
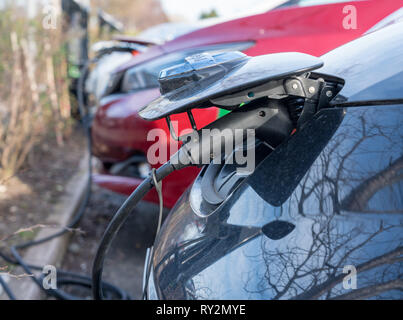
x=120 y=135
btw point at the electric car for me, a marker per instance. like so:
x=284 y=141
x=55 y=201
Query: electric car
x=120 y=135
x=321 y=215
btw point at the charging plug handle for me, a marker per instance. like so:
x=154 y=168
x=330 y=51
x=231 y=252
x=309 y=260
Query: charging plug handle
x=257 y=113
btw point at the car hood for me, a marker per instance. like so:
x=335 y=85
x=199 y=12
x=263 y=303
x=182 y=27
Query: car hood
x=371 y=66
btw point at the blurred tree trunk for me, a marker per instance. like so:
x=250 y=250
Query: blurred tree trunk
x=34 y=104
x=52 y=91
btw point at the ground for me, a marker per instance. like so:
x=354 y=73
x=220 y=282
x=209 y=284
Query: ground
x=27 y=199
x=125 y=262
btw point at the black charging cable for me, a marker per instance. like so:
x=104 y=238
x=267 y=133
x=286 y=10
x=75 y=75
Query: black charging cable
x=158 y=188
x=118 y=220
x=190 y=154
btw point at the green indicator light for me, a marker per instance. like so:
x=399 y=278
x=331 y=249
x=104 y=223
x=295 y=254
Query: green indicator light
x=222 y=112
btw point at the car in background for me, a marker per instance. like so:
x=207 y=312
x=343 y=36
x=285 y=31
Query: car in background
x=112 y=53
x=120 y=135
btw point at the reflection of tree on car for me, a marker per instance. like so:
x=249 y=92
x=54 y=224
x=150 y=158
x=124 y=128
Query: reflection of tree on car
x=348 y=167
x=310 y=263
x=339 y=187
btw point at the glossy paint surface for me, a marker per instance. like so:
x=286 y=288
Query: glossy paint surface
x=117 y=126
x=338 y=182
x=375 y=75
x=328 y=200
x=177 y=182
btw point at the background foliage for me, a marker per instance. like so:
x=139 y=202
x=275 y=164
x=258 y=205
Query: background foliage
x=34 y=98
